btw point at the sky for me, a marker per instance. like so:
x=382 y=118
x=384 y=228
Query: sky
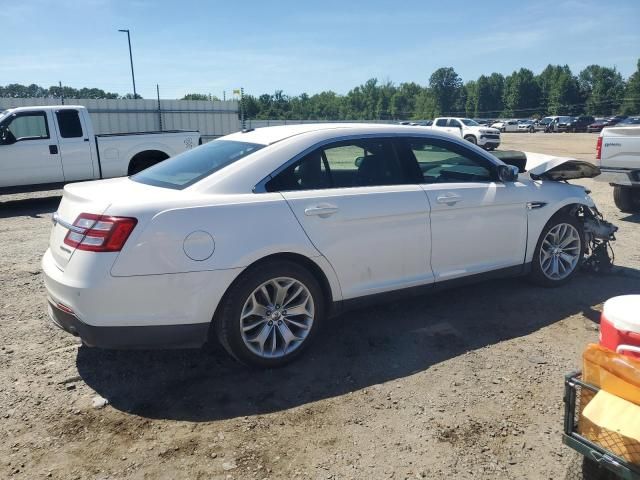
x=199 y=46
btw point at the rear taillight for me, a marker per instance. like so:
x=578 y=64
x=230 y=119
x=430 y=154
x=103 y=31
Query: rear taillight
x=599 y=149
x=99 y=233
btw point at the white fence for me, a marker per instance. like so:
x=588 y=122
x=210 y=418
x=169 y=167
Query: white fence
x=212 y=119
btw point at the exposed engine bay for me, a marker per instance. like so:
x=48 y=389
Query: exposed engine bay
x=598 y=235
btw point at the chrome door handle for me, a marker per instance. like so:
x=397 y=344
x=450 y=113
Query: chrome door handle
x=449 y=198
x=323 y=210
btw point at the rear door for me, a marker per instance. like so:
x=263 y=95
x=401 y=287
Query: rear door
x=356 y=204
x=29 y=150
x=75 y=145
x=478 y=224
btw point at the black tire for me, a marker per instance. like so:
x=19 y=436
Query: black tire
x=472 y=139
x=627 y=199
x=537 y=275
x=226 y=323
x=592 y=471
x=532 y=130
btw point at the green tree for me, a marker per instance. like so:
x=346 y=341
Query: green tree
x=200 y=96
x=521 y=94
x=445 y=86
x=631 y=103
x=603 y=88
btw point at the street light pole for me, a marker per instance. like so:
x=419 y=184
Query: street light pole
x=133 y=76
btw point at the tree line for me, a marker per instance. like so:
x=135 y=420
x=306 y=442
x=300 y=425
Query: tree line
x=596 y=90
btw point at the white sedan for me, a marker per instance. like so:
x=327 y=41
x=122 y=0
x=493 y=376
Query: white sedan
x=257 y=237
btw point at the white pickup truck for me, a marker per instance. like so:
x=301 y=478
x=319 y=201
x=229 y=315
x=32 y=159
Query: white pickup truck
x=481 y=135
x=42 y=148
x=618 y=156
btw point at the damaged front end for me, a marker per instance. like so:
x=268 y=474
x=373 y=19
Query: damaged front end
x=598 y=235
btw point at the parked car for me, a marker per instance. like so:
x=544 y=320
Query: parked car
x=597 y=126
x=257 y=237
x=506 y=126
x=618 y=156
x=485 y=137
x=544 y=124
x=629 y=121
x=580 y=124
x=45 y=147
x=526 y=126
x=616 y=119
x=562 y=123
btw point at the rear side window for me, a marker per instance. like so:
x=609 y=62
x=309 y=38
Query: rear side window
x=354 y=163
x=193 y=165
x=441 y=122
x=69 y=123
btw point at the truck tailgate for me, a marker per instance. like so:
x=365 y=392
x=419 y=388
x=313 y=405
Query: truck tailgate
x=621 y=148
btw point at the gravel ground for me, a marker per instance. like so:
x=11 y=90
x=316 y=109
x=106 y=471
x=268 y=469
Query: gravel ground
x=465 y=383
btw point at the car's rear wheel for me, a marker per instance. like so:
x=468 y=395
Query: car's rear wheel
x=627 y=199
x=559 y=251
x=270 y=314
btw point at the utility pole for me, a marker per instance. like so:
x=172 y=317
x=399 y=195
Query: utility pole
x=159 y=109
x=133 y=76
x=224 y=95
x=61 y=93
x=244 y=125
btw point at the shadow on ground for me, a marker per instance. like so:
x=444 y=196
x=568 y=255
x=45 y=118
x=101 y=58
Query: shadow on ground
x=356 y=350
x=30 y=207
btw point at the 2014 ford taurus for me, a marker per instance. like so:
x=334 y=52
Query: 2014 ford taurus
x=257 y=237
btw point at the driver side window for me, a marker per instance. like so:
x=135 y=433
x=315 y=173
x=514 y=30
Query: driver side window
x=25 y=126
x=441 y=162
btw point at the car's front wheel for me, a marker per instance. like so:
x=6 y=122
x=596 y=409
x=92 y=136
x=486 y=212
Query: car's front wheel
x=270 y=314
x=559 y=251
x=472 y=139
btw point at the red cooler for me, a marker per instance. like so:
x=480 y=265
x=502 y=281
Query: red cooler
x=620 y=325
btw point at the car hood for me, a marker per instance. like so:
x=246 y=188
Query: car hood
x=549 y=167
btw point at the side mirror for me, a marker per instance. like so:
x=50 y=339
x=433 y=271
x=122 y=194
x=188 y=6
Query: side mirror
x=508 y=173
x=358 y=161
x=6 y=137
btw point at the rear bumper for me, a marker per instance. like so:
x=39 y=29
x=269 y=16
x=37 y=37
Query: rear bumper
x=156 y=336
x=172 y=310
x=613 y=176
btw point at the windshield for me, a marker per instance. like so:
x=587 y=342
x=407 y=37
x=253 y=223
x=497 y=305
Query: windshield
x=469 y=123
x=192 y=166
x=630 y=121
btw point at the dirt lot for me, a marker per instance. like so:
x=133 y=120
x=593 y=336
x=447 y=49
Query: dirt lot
x=462 y=384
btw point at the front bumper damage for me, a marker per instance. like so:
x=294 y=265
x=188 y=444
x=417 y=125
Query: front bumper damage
x=598 y=235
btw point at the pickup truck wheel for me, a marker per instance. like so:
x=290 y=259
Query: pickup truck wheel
x=145 y=160
x=270 y=314
x=627 y=199
x=472 y=139
x=559 y=251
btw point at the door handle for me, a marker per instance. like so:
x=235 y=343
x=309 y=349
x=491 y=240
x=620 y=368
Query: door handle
x=86 y=139
x=53 y=149
x=449 y=198
x=323 y=210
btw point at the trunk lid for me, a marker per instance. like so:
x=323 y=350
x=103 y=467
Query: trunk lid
x=88 y=197
x=76 y=199
x=620 y=147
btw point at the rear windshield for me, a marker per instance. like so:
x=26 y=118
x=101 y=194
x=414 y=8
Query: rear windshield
x=192 y=166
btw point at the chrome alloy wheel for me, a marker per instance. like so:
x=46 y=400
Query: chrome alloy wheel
x=277 y=317
x=560 y=251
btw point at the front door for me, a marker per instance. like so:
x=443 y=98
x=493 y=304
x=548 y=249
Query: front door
x=478 y=224
x=28 y=150
x=354 y=202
